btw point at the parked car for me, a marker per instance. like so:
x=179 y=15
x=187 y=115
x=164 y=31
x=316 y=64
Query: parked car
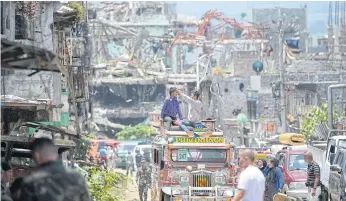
x=294 y=170
x=123 y=151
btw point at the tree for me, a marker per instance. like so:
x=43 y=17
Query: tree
x=135 y=132
x=316 y=116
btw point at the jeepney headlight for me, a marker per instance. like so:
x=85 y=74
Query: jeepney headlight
x=220 y=180
x=184 y=179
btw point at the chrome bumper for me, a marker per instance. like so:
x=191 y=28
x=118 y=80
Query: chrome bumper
x=298 y=193
x=191 y=193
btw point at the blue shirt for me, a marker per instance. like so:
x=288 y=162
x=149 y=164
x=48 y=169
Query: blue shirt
x=171 y=108
x=279 y=179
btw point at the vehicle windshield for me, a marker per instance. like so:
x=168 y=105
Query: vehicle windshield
x=22 y=161
x=199 y=155
x=147 y=149
x=297 y=162
x=342 y=143
x=127 y=147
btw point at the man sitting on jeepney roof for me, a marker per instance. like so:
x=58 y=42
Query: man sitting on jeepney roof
x=171 y=108
x=195 y=110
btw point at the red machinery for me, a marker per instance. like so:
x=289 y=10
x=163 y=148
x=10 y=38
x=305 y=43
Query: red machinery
x=253 y=31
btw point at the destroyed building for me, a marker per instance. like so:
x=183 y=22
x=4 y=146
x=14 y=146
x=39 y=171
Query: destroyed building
x=31 y=71
x=143 y=62
x=125 y=40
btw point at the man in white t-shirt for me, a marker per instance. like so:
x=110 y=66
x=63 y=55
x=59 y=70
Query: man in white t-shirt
x=251 y=183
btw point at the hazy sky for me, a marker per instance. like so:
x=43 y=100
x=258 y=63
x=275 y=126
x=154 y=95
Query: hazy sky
x=317 y=11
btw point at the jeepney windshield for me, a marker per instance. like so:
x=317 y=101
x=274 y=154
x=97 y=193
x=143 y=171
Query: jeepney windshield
x=199 y=155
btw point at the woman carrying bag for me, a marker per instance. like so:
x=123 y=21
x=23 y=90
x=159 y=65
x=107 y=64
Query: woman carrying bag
x=274 y=180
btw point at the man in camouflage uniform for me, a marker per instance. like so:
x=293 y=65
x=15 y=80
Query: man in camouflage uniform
x=143 y=180
x=51 y=180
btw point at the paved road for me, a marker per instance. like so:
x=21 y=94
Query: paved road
x=131 y=190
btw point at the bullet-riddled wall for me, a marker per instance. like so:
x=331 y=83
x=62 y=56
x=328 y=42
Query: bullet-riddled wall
x=42 y=85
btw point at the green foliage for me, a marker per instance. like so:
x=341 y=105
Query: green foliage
x=104 y=185
x=135 y=132
x=78 y=7
x=243 y=15
x=83 y=145
x=317 y=115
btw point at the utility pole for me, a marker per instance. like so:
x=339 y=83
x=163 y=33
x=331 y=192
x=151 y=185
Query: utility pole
x=86 y=56
x=282 y=87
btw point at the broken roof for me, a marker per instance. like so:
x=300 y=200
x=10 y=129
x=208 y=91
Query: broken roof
x=19 y=56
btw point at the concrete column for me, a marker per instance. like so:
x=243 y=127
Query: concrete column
x=174 y=64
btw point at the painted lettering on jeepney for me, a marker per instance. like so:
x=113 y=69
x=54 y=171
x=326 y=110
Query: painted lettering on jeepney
x=199 y=140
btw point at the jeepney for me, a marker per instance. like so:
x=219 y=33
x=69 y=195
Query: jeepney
x=192 y=166
x=16 y=150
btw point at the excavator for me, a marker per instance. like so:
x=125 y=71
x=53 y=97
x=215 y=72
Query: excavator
x=248 y=31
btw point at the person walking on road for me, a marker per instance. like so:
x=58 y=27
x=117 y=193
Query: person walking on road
x=251 y=184
x=171 y=108
x=313 y=180
x=130 y=164
x=138 y=159
x=143 y=179
x=109 y=158
x=51 y=180
x=274 y=180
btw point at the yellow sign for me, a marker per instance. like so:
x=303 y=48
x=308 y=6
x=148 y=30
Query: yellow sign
x=199 y=140
x=260 y=156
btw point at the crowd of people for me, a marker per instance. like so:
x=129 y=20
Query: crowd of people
x=109 y=157
x=266 y=180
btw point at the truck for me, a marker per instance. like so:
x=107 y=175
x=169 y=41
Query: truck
x=186 y=167
x=323 y=154
x=337 y=180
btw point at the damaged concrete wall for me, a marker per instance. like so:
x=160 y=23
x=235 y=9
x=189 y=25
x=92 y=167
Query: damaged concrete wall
x=227 y=96
x=126 y=104
x=294 y=20
x=43 y=85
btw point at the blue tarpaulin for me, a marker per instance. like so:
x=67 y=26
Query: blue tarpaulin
x=293 y=44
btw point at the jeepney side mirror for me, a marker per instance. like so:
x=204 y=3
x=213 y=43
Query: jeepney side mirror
x=331 y=158
x=335 y=168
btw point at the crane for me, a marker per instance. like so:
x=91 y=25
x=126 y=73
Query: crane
x=251 y=32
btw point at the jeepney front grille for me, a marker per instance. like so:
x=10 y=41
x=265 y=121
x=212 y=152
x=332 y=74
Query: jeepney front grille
x=202 y=179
